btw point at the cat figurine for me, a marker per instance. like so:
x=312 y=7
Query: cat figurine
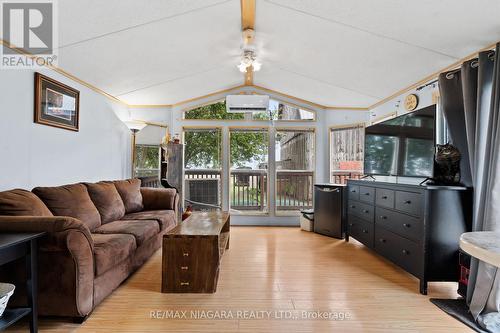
x=447 y=165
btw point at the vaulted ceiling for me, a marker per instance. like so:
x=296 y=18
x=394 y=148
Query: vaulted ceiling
x=331 y=52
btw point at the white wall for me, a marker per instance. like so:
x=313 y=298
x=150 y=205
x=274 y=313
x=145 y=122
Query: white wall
x=37 y=155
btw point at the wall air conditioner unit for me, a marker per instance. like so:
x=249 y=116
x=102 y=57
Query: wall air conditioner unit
x=246 y=103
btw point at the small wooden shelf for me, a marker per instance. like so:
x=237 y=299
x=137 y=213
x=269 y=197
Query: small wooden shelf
x=10 y=316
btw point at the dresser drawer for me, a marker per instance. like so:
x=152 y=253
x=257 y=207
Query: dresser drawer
x=361 y=210
x=353 y=192
x=401 y=251
x=384 y=198
x=409 y=202
x=367 y=194
x=401 y=224
x=361 y=230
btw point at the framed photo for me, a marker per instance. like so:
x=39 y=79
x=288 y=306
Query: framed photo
x=56 y=104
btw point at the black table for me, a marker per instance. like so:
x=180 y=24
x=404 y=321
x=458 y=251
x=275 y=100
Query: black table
x=12 y=247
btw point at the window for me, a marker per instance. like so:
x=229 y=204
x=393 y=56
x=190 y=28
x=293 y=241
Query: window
x=249 y=149
x=346 y=153
x=147 y=161
x=294 y=169
x=213 y=111
x=277 y=111
x=203 y=168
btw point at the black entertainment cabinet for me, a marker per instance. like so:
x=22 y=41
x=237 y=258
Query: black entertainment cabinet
x=416 y=227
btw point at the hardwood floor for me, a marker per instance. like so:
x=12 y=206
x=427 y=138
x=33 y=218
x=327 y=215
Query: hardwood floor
x=277 y=269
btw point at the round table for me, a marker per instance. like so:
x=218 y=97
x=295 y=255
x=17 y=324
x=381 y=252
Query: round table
x=483 y=245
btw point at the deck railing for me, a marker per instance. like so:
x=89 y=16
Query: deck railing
x=339 y=177
x=294 y=190
x=248 y=190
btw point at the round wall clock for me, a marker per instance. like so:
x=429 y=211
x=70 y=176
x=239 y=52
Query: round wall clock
x=411 y=102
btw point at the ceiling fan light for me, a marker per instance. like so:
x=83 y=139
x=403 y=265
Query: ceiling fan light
x=242 y=67
x=256 y=66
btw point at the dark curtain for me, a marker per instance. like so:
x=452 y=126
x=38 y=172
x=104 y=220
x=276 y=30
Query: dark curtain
x=452 y=104
x=471 y=100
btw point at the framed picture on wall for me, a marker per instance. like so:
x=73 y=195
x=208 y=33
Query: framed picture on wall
x=56 y=104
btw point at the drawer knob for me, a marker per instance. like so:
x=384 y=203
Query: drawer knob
x=184 y=268
x=185 y=254
x=353 y=191
x=184 y=283
x=352 y=206
x=406 y=225
x=366 y=211
x=408 y=202
x=384 y=197
x=366 y=193
x=406 y=252
x=365 y=231
x=350 y=224
x=383 y=217
x=382 y=240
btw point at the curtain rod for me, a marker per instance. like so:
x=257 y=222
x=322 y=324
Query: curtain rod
x=453 y=71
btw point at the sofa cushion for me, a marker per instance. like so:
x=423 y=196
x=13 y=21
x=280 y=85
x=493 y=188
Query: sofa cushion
x=110 y=250
x=107 y=201
x=142 y=230
x=70 y=200
x=22 y=203
x=130 y=191
x=166 y=218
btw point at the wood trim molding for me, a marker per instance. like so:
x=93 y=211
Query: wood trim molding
x=432 y=76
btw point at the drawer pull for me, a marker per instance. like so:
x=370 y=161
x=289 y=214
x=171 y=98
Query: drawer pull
x=383 y=217
x=365 y=231
x=406 y=225
x=384 y=197
x=353 y=191
x=366 y=193
x=366 y=211
x=407 y=202
x=382 y=240
x=351 y=224
x=184 y=283
x=184 y=268
x=185 y=254
x=352 y=206
x=406 y=252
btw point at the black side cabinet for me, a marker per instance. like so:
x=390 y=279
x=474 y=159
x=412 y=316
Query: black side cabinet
x=416 y=227
x=13 y=247
x=329 y=210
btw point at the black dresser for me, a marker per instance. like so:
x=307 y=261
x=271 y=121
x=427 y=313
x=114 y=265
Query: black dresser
x=416 y=227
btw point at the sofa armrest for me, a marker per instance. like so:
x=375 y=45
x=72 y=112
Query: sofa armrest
x=56 y=227
x=65 y=256
x=159 y=198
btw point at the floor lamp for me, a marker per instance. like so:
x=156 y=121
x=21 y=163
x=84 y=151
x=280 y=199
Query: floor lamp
x=135 y=127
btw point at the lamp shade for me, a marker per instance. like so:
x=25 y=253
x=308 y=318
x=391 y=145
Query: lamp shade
x=135 y=125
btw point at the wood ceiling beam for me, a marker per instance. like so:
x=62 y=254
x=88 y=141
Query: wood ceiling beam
x=247 y=14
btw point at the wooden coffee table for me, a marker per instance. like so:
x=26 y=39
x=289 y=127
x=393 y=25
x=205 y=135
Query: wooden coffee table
x=192 y=253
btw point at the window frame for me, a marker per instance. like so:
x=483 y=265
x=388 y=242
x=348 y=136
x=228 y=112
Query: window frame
x=136 y=174
x=330 y=143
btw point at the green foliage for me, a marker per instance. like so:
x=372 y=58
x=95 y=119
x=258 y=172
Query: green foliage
x=147 y=160
x=203 y=147
x=212 y=111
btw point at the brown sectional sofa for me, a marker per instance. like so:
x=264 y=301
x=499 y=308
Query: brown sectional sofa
x=97 y=235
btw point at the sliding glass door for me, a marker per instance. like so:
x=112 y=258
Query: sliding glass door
x=248 y=174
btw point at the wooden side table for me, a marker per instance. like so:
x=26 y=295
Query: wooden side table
x=12 y=247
